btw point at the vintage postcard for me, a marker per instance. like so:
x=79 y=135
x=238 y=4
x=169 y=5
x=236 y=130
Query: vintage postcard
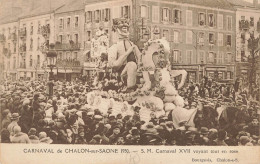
x=130 y=81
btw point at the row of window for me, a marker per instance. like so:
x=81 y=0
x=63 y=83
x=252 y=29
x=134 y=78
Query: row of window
x=67 y=38
x=200 y=58
x=176 y=37
x=166 y=14
x=67 y=22
x=13 y=49
x=32 y=63
x=251 y=20
x=67 y=55
x=47 y=22
x=105 y=14
x=31 y=43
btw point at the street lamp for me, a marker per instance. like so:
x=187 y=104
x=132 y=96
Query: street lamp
x=51 y=63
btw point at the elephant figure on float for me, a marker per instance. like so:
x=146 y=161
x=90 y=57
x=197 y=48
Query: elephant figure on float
x=155 y=62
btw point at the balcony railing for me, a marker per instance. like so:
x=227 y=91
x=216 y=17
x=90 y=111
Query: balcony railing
x=45 y=30
x=2 y=38
x=22 y=32
x=243 y=24
x=67 y=46
x=67 y=63
x=22 y=48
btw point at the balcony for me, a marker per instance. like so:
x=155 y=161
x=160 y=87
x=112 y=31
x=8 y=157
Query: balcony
x=243 y=25
x=67 y=63
x=6 y=52
x=13 y=37
x=67 y=46
x=90 y=63
x=22 y=32
x=45 y=30
x=22 y=65
x=22 y=48
x=2 y=38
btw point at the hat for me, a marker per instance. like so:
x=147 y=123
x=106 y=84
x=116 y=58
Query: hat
x=5 y=112
x=111 y=116
x=149 y=125
x=98 y=117
x=244 y=140
x=15 y=116
x=32 y=131
x=134 y=131
x=169 y=123
x=204 y=130
x=90 y=113
x=42 y=135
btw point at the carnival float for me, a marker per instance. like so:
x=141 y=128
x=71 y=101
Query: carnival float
x=128 y=80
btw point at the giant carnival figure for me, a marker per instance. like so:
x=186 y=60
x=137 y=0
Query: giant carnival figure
x=155 y=62
x=124 y=56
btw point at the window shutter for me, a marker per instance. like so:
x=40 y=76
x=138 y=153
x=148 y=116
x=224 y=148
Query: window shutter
x=129 y=11
x=173 y=15
x=103 y=15
x=207 y=57
x=148 y=12
x=181 y=17
x=122 y=11
x=184 y=57
x=109 y=14
x=199 y=19
x=161 y=14
x=180 y=36
x=215 y=20
x=224 y=39
x=93 y=16
x=170 y=15
x=194 y=57
x=140 y=11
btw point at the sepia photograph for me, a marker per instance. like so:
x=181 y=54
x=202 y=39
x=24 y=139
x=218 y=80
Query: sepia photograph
x=168 y=73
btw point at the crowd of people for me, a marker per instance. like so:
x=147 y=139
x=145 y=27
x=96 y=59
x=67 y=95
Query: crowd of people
x=30 y=115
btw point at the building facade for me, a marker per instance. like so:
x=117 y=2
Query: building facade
x=9 y=58
x=247 y=23
x=201 y=36
x=35 y=34
x=69 y=43
x=100 y=15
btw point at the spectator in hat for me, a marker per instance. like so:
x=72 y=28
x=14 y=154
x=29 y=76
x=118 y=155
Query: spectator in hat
x=32 y=136
x=213 y=135
x=19 y=137
x=36 y=108
x=15 y=118
x=113 y=138
x=44 y=139
x=204 y=135
x=253 y=128
x=135 y=136
x=222 y=136
x=26 y=116
x=245 y=141
x=5 y=136
x=6 y=118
